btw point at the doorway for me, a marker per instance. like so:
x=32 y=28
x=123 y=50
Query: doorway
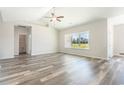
x=118 y=40
x=22 y=44
x=22 y=40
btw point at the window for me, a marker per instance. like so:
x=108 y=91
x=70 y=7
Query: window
x=77 y=40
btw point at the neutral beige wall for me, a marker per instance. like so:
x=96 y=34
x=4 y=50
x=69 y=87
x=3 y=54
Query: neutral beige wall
x=98 y=39
x=6 y=41
x=44 y=40
x=118 y=39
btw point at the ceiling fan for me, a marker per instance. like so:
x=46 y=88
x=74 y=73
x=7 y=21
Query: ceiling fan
x=53 y=17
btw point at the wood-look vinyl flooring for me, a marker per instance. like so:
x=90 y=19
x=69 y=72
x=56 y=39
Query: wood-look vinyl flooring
x=61 y=69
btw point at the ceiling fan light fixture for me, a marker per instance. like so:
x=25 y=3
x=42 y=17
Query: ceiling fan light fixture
x=54 y=18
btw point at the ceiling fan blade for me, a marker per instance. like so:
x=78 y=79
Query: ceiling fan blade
x=52 y=14
x=51 y=20
x=47 y=17
x=58 y=20
x=60 y=17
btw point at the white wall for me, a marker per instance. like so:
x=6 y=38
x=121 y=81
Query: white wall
x=118 y=39
x=44 y=40
x=6 y=41
x=98 y=39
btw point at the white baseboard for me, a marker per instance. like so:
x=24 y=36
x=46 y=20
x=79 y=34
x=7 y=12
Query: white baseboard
x=85 y=56
x=2 y=58
x=35 y=54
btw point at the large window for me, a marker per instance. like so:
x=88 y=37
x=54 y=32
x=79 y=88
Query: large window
x=77 y=40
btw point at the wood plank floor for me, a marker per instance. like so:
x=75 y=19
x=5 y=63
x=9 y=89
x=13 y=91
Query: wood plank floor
x=61 y=69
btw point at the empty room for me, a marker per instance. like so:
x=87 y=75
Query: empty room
x=61 y=45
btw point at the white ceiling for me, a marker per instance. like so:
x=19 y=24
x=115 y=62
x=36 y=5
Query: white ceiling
x=72 y=15
x=22 y=14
